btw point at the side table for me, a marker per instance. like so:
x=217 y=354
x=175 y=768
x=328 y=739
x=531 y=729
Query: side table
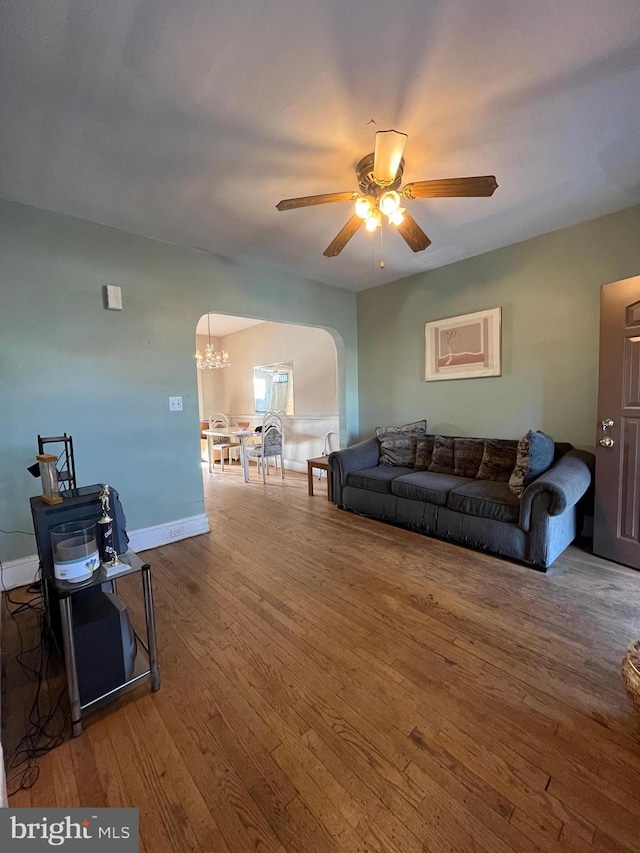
x=131 y=563
x=322 y=463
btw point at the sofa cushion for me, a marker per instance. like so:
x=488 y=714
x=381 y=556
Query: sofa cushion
x=424 y=452
x=377 y=479
x=427 y=486
x=442 y=458
x=467 y=456
x=485 y=499
x=498 y=461
x=398 y=444
x=534 y=456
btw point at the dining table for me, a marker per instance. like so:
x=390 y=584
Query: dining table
x=241 y=434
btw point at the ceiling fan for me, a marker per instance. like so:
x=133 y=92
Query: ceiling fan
x=379 y=177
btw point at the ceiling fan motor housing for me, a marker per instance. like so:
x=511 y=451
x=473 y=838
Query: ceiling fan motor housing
x=366 y=182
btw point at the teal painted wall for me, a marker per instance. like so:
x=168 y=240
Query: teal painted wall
x=105 y=377
x=67 y=364
x=548 y=288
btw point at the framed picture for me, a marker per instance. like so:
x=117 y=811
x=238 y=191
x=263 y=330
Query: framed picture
x=464 y=347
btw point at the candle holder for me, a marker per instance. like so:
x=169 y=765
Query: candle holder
x=49 y=478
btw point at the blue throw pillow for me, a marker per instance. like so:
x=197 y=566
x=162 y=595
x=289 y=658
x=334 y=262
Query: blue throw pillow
x=535 y=455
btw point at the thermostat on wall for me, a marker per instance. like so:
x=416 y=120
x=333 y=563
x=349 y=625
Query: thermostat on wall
x=113 y=297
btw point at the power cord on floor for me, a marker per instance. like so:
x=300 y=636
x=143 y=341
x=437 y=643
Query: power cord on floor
x=46 y=720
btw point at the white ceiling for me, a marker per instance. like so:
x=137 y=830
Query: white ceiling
x=223 y=324
x=188 y=120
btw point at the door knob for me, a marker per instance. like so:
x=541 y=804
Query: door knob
x=607 y=442
x=607 y=423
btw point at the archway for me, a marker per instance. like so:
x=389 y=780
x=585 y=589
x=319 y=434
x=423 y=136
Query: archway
x=250 y=343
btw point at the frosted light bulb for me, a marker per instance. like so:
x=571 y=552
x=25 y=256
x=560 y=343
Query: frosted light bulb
x=373 y=221
x=390 y=202
x=364 y=206
x=397 y=217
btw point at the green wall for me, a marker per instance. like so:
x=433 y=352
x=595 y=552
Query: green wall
x=67 y=364
x=548 y=288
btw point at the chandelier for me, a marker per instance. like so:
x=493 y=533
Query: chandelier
x=211 y=358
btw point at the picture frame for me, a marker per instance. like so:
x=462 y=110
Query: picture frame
x=464 y=347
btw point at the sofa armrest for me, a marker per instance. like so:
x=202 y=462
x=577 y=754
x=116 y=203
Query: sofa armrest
x=562 y=485
x=365 y=454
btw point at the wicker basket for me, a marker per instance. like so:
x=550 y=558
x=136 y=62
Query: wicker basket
x=631 y=674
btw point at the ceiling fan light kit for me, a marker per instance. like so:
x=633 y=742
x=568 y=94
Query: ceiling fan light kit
x=397 y=217
x=379 y=177
x=389 y=203
x=365 y=206
x=373 y=221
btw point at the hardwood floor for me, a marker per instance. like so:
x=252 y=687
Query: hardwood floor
x=330 y=683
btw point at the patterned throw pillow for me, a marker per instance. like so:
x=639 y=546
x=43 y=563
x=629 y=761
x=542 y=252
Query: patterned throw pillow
x=442 y=459
x=467 y=456
x=424 y=452
x=398 y=449
x=398 y=444
x=534 y=456
x=416 y=428
x=498 y=461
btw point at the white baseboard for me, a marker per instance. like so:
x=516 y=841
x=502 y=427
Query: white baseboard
x=294 y=465
x=19 y=572
x=172 y=531
x=301 y=466
x=22 y=572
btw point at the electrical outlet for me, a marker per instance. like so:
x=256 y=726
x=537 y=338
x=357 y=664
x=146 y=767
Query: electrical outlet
x=175 y=532
x=175 y=404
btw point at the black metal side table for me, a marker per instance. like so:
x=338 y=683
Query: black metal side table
x=131 y=563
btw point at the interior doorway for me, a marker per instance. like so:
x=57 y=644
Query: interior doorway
x=308 y=361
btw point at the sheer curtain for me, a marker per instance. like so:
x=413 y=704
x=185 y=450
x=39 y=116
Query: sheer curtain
x=279 y=392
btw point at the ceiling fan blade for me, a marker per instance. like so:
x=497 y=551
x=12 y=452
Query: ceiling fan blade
x=412 y=234
x=482 y=185
x=311 y=200
x=342 y=237
x=387 y=155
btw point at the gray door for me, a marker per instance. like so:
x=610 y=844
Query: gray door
x=617 y=507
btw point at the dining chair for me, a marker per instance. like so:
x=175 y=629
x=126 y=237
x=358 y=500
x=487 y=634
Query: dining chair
x=222 y=444
x=272 y=445
x=331 y=442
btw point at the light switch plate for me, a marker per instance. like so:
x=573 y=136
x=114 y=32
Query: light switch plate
x=175 y=404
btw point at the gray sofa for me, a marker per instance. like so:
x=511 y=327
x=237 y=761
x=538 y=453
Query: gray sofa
x=534 y=529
